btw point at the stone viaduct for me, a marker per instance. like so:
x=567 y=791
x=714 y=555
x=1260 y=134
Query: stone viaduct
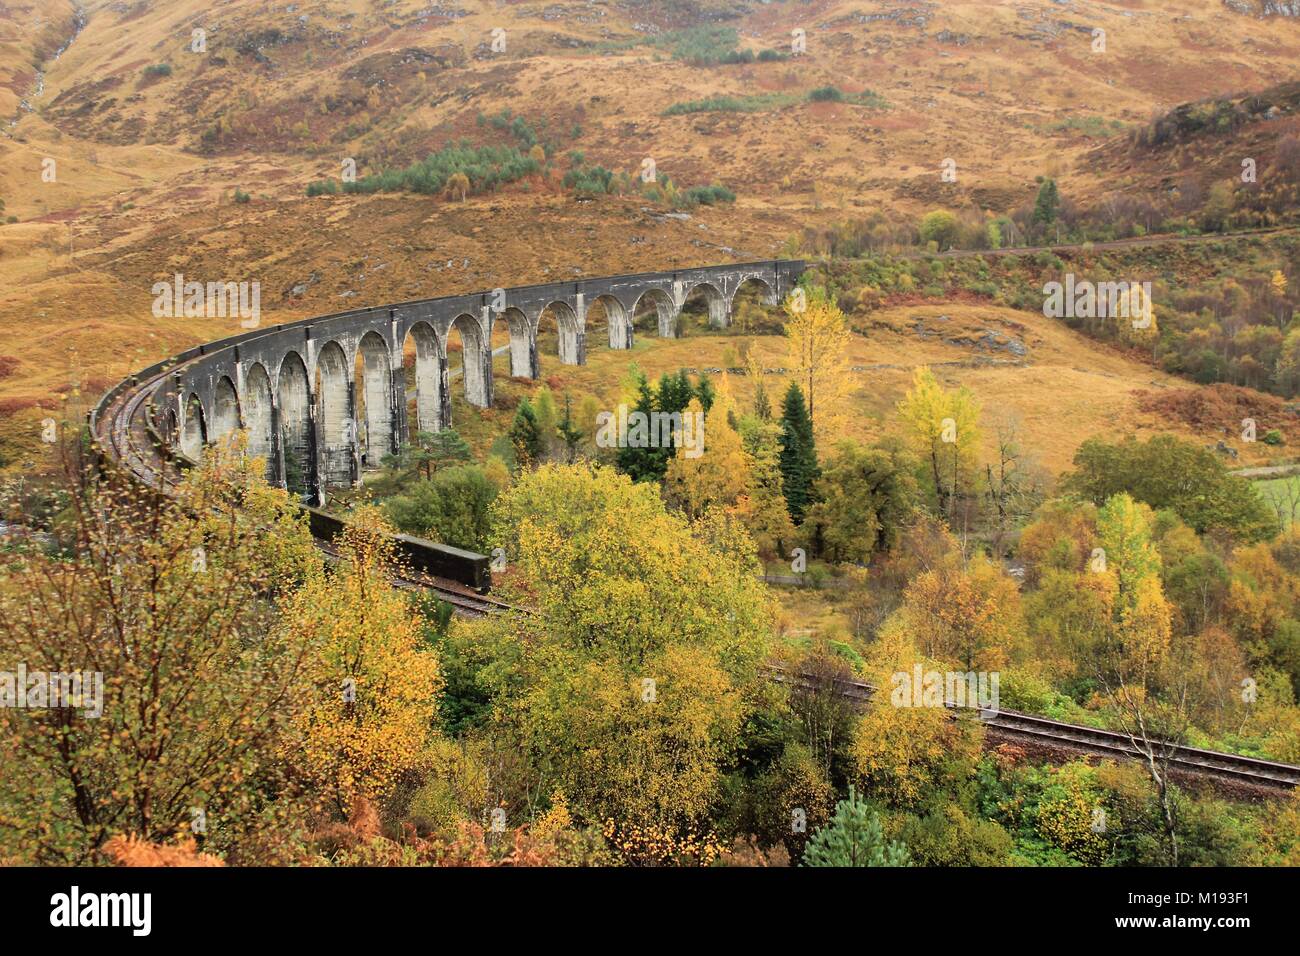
x=325 y=399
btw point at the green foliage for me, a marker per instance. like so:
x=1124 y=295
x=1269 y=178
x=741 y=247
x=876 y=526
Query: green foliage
x=1047 y=203
x=158 y=69
x=707 y=195
x=854 y=837
x=486 y=168
x=241 y=197
x=865 y=497
x=753 y=103
x=939 y=227
x=429 y=451
x=525 y=436
x=453 y=507
x=1168 y=472
x=798 y=453
x=826 y=94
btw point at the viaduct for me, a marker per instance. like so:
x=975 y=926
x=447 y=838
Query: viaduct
x=325 y=399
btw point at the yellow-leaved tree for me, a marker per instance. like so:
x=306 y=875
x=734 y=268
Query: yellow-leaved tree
x=1147 y=678
x=905 y=752
x=967 y=612
x=715 y=472
x=373 y=684
x=943 y=428
x=817 y=343
x=634 y=673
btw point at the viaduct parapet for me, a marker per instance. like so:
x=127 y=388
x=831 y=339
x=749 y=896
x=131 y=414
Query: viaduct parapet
x=325 y=399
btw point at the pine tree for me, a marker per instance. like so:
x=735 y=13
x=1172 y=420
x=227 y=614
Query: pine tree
x=854 y=838
x=798 y=453
x=569 y=431
x=525 y=436
x=642 y=464
x=1047 y=203
x=704 y=391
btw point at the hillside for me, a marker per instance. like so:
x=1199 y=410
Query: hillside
x=151 y=141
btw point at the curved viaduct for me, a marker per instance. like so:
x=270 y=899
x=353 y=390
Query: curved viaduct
x=326 y=398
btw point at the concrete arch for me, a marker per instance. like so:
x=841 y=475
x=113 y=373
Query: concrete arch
x=374 y=389
x=718 y=304
x=568 y=328
x=259 y=416
x=225 y=409
x=194 y=432
x=523 y=358
x=170 y=428
x=473 y=348
x=424 y=368
x=334 y=415
x=665 y=311
x=769 y=293
x=619 y=321
x=293 y=397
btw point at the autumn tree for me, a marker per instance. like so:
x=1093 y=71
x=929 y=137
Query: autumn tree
x=763 y=507
x=904 y=754
x=864 y=497
x=817 y=340
x=631 y=686
x=964 y=611
x=374 y=685
x=1146 y=678
x=719 y=476
x=170 y=601
x=943 y=429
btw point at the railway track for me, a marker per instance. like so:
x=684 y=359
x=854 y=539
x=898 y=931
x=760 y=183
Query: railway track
x=124 y=432
x=1250 y=772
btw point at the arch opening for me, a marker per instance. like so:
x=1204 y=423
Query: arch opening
x=225 y=410
x=558 y=333
x=194 y=433
x=465 y=358
x=294 y=394
x=422 y=375
x=258 y=417
x=373 y=387
x=334 y=412
x=654 y=314
x=704 y=309
x=753 y=306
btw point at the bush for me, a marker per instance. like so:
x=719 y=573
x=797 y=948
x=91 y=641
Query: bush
x=485 y=167
x=241 y=197
x=824 y=94
x=158 y=69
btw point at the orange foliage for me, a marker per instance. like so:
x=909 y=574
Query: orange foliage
x=137 y=851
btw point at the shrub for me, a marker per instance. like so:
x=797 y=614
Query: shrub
x=158 y=69
x=824 y=94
